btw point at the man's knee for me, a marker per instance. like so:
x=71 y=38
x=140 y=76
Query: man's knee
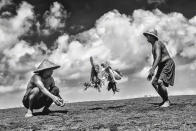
x=34 y=92
x=33 y=96
x=160 y=82
x=55 y=91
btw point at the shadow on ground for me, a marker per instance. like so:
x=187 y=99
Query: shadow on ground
x=51 y=112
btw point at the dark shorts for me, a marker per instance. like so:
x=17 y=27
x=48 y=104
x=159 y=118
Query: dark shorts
x=166 y=73
x=41 y=99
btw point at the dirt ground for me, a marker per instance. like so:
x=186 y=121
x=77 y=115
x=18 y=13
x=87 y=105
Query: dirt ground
x=140 y=114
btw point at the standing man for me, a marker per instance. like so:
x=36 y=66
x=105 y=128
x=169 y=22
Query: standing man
x=166 y=67
x=41 y=90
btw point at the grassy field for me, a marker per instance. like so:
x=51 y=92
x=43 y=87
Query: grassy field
x=140 y=114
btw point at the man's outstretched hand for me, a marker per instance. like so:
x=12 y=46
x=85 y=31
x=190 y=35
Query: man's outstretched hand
x=58 y=101
x=62 y=103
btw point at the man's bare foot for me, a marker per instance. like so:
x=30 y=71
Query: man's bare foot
x=29 y=114
x=160 y=104
x=166 y=104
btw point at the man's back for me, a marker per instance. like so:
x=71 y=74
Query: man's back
x=163 y=51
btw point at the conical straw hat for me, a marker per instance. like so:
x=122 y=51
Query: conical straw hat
x=46 y=64
x=152 y=33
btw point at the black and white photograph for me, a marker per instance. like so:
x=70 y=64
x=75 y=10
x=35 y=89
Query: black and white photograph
x=97 y=65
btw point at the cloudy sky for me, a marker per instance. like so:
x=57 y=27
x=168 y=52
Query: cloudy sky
x=68 y=32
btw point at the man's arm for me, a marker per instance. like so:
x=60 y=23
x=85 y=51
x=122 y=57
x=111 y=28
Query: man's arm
x=40 y=85
x=156 y=61
x=54 y=86
x=158 y=56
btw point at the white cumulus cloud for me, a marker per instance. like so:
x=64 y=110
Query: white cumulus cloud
x=11 y=29
x=116 y=37
x=56 y=17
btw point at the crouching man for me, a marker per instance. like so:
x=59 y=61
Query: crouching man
x=41 y=90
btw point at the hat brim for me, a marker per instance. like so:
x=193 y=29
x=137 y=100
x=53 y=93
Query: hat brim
x=147 y=33
x=52 y=68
